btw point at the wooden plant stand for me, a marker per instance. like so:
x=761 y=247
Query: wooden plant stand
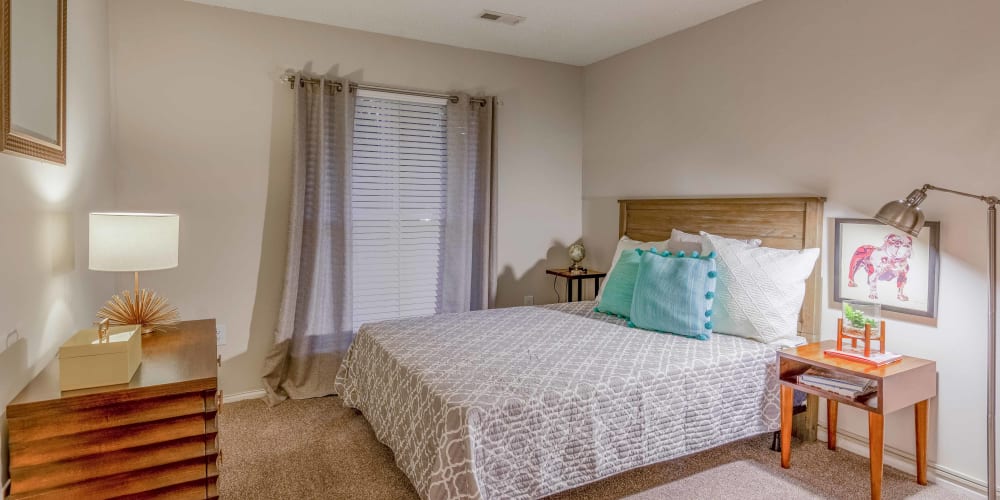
x=867 y=338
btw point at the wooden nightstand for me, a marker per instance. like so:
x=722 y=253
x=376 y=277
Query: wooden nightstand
x=910 y=381
x=152 y=437
x=578 y=277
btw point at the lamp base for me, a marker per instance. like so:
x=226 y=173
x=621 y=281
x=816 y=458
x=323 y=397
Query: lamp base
x=143 y=307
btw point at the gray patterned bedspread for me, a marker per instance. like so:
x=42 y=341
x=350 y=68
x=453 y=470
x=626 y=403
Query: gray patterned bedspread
x=529 y=401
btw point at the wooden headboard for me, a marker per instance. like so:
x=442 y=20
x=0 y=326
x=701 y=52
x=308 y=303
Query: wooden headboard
x=782 y=222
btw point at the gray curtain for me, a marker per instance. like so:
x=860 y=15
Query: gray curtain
x=468 y=268
x=314 y=325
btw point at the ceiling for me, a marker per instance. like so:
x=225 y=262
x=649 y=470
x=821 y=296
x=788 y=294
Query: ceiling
x=577 y=32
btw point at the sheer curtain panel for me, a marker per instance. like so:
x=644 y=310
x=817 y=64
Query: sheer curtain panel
x=314 y=324
x=468 y=270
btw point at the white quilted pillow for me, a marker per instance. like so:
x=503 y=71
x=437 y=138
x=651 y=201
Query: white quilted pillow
x=760 y=290
x=626 y=243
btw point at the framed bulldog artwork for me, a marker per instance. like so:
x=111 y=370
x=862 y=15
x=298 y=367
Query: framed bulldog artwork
x=878 y=263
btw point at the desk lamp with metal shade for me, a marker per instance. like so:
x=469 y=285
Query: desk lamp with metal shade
x=134 y=242
x=906 y=216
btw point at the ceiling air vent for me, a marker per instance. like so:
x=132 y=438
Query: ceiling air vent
x=500 y=17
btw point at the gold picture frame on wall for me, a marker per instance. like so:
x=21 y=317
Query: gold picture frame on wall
x=33 y=79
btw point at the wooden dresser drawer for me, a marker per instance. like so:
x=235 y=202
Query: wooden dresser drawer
x=60 y=448
x=134 y=484
x=34 y=427
x=50 y=475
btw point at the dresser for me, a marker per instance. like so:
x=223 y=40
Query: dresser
x=155 y=437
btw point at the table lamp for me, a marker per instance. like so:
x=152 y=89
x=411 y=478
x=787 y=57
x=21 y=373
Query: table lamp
x=134 y=242
x=906 y=216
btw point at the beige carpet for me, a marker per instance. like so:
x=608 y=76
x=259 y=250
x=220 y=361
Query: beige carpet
x=319 y=449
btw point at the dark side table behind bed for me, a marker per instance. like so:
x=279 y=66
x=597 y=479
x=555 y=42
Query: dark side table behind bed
x=578 y=277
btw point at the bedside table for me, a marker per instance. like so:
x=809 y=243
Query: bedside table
x=909 y=381
x=154 y=436
x=578 y=278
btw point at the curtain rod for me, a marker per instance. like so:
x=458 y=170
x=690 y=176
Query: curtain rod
x=290 y=79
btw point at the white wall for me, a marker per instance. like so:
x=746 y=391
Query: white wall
x=46 y=291
x=204 y=129
x=855 y=100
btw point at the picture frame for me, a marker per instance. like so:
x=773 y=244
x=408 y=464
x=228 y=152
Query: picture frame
x=33 y=80
x=877 y=263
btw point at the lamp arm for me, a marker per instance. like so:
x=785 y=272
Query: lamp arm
x=991 y=200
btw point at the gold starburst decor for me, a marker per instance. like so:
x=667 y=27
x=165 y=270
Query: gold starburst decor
x=144 y=307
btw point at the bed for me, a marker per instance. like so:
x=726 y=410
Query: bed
x=529 y=401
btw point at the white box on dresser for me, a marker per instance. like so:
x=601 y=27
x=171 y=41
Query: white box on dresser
x=86 y=361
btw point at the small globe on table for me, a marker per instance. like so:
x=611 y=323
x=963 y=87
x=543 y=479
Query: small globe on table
x=576 y=254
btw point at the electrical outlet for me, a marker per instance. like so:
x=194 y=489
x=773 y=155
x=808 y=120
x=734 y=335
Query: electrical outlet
x=529 y=300
x=220 y=334
x=10 y=340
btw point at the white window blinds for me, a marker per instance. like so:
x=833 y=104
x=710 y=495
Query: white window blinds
x=397 y=206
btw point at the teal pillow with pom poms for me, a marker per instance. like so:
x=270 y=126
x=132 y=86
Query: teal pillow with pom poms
x=674 y=294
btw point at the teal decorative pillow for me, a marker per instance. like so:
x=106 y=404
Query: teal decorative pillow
x=616 y=294
x=674 y=294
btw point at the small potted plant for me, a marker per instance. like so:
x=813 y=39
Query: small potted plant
x=861 y=321
x=859 y=314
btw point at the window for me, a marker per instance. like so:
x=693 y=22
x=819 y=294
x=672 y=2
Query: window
x=398 y=185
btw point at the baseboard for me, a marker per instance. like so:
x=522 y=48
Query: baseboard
x=906 y=462
x=243 y=396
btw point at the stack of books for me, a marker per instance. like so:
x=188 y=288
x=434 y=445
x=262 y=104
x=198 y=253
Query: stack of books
x=844 y=385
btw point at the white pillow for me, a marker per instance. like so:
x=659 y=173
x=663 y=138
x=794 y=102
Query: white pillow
x=627 y=243
x=760 y=290
x=683 y=242
x=686 y=242
x=789 y=342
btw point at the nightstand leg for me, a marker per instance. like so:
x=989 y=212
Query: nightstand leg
x=597 y=286
x=875 y=437
x=579 y=290
x=920 y=414
x=831 y=424
x=787 y=394
x=840 y=334
x=569 y=290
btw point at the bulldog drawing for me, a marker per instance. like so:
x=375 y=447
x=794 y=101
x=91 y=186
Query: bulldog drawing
x=891 y=261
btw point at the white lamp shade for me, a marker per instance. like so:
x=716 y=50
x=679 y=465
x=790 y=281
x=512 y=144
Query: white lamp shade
x=133 y=242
